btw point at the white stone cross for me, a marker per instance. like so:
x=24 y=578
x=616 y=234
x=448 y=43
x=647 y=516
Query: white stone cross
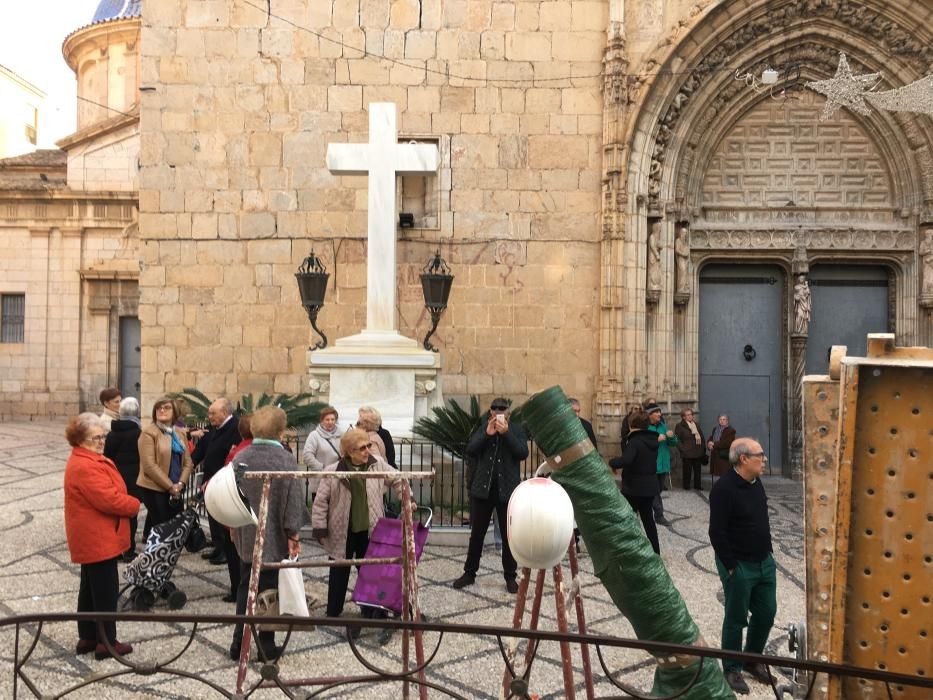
x=382 y=159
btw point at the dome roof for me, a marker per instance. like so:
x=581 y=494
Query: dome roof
x=117 y=9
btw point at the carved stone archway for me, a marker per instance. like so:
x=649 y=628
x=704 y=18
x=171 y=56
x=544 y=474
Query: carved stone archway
x=662 y=137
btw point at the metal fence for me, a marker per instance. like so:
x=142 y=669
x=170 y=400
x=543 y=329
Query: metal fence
x=447 y=493
x=29 y=678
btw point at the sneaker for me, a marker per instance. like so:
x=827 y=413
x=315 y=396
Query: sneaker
x=464 y=581
x=85 y=646
x=355 y=631
x=385 y=636
x=102 y=652
x=661 y=520
x=511 y=585
x=218 y=560
x=736 y=682
x=759 y=672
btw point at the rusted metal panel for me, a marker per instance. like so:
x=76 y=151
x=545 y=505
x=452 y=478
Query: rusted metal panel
x=882 y=571
x=820 y=425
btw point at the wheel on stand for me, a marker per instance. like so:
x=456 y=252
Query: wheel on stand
x=797 y=644
x=142 y=599
x=167 y=589
x=177 y=599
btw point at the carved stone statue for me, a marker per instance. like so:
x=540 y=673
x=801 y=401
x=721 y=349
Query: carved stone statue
x=801 y=305
x=926 y=261
x=654 y=255
x=682 y=259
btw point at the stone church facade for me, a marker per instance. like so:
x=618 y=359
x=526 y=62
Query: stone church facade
x=69 y=268
x=623 y=216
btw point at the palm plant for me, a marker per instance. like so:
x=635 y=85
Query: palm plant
x=452 y=426
x=300 y=413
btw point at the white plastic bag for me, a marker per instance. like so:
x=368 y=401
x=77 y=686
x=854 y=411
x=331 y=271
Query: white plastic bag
x=292 y=599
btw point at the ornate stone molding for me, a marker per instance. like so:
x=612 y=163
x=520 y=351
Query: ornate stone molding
x=865 y=22
x=819 y=239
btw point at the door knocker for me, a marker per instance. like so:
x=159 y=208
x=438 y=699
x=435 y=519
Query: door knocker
x=749 y=353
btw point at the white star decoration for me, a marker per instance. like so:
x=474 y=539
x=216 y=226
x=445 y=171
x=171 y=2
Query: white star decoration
x=854 y=91
x=845 y=89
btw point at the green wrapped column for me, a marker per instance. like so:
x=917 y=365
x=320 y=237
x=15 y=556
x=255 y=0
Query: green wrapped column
x=622 y=557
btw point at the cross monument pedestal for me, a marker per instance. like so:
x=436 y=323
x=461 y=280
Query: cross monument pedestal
x=379 y=367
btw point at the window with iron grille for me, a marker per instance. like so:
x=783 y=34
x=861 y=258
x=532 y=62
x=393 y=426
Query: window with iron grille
x=12 y=318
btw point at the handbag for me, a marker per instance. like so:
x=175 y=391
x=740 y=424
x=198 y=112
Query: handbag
x=289 y=599
x=292 y=598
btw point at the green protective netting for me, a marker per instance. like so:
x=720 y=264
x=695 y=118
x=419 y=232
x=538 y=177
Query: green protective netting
x=622 y=557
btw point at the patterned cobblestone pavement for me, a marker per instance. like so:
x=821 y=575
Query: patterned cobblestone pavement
x=37 y=576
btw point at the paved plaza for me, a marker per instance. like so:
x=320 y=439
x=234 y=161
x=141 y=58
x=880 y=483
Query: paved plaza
x=36 y=576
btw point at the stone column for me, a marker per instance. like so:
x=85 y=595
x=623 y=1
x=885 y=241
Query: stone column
x=800 y=325
x=610 y=397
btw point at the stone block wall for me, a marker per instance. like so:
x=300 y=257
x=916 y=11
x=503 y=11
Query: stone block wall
x=77 y=281
x=235 y=192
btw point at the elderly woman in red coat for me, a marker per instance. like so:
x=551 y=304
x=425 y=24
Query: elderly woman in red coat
x=97 y=513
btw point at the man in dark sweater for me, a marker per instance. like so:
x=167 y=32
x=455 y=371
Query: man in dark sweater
x=740 y=533
x=211 y=453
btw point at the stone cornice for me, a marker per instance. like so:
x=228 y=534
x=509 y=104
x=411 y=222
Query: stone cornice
x=838 y=239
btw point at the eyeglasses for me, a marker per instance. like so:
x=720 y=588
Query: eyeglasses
x=760 y=455
x=95 y=438
x=367 y=446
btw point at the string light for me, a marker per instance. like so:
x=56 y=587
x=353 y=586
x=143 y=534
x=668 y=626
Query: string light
x=857 y=92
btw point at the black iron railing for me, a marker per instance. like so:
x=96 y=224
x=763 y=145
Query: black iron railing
x=29 y=630
x=447 y=493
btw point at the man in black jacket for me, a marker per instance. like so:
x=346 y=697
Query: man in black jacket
x=498 y=449
x=211 y=453
x=740 y=533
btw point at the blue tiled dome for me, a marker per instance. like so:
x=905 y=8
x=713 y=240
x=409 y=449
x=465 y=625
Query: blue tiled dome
x=117 y=9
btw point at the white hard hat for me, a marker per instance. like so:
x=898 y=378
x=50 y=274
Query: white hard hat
x=225 y=502
x=540 y=520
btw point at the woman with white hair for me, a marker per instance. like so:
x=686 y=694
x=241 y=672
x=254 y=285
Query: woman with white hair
x=368 y=419
x=122 y=448
x=97 y=509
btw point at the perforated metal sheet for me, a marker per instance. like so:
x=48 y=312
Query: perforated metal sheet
x=882 y=615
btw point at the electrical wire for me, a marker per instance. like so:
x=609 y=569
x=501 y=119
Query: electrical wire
x=365 y=53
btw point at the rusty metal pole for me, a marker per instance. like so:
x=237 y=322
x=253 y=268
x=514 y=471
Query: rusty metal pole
x=517 y=617
x=581 y=621
x=254 y=581
x=566 y=661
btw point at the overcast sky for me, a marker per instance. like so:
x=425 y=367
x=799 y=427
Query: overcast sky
x=31 y=35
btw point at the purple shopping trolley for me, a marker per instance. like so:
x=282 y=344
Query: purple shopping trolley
x=380 y=585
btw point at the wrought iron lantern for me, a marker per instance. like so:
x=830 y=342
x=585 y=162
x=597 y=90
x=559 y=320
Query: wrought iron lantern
x=312 y=285
x=436 y=281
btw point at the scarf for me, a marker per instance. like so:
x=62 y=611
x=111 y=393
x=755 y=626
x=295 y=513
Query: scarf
x=265 y=441
x=696 y=433
x=178 y=449
x=132 y=418
x=717 y=432
x=359 y=502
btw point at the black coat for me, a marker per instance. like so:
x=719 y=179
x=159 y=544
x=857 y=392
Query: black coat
x=687 y=444
x=588 y=427
x=639 y=464
x=122 y=448
x=389 y=445
x=213 y=447
x=497 y=457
